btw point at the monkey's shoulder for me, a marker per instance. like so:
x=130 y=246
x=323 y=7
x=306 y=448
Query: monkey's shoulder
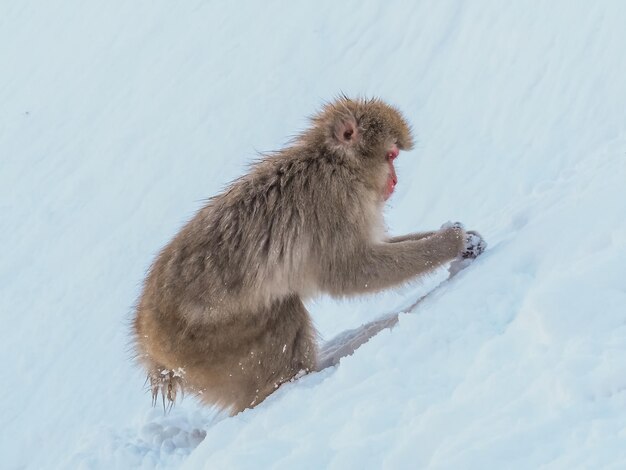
x=289 y=190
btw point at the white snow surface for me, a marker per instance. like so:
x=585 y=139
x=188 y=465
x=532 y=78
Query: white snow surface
x=118 y=118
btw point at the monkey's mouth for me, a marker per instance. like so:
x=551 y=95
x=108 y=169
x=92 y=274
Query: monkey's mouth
x=392 y=179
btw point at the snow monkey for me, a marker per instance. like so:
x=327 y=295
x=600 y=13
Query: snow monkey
x=221 y=313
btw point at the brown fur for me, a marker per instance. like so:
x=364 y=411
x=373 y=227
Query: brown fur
x=221 y=312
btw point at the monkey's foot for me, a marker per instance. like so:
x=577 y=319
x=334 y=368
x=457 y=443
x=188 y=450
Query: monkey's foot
x=168 y=384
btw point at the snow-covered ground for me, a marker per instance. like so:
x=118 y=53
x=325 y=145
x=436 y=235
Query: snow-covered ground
x=118 y=118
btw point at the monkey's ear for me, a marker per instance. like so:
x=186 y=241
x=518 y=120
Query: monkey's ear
x=346 y=130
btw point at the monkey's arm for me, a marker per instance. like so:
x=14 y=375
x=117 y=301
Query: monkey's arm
x=411 y=236
x=376 y=267
x=420 y=235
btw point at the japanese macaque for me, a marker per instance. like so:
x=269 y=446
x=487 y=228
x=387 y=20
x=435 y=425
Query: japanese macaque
x=221 y=313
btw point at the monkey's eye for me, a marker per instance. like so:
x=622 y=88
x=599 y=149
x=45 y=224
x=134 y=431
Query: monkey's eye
x=393 y=153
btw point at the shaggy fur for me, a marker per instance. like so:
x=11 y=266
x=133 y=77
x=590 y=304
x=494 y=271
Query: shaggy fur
x=221 y=312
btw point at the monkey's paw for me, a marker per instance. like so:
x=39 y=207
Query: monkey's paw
x=168 y=384
x=475 y=245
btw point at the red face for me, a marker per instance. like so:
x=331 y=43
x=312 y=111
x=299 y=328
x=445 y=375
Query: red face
x=392 y=179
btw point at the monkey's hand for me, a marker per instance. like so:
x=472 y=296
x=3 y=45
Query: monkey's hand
x=474 y=244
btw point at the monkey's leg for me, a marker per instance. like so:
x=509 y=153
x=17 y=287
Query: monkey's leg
x=279 y=343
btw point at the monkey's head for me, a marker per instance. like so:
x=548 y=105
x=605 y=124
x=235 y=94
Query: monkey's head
x=368 y=132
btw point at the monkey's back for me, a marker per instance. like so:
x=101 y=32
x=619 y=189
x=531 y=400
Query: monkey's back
x=241 y=265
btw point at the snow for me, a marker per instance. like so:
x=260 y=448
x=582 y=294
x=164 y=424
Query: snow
x=118 y=118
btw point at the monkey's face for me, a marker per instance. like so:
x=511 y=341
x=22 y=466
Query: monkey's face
x=370 y=133
x=378 y=132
